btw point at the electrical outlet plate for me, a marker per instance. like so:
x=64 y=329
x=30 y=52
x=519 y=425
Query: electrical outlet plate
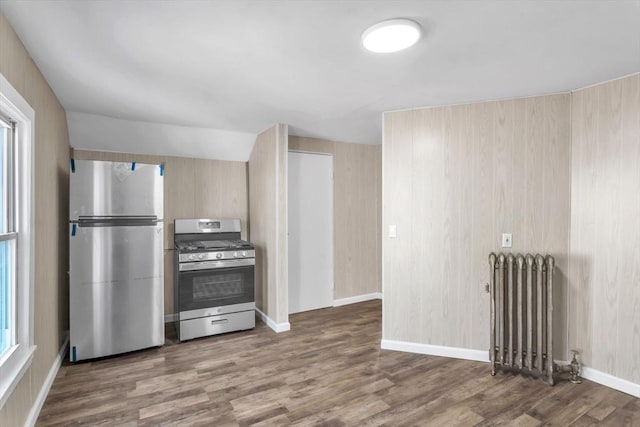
x=393 y=231
x=507 y=240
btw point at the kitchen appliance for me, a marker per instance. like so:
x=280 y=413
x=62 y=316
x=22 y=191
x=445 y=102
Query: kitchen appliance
x=214 y=278
x=116 y=291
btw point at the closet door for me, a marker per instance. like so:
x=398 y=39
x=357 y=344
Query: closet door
x=310 y=205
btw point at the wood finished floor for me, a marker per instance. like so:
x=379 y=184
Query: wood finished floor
x=328 y=370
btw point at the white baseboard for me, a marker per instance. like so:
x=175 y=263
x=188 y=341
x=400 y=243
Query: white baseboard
x=588 y=373
x=277 y=327
x=436 y=350
x=48 y=382
x=607 y=380
x=610 y=381
x=356 y=299
x=169 y=318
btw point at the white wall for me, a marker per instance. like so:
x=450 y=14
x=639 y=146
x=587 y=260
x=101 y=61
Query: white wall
x=101 y=133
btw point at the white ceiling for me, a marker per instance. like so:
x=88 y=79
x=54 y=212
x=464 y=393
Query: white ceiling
x=245 y=65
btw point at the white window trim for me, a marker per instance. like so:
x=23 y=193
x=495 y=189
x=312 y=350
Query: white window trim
x=15 y=363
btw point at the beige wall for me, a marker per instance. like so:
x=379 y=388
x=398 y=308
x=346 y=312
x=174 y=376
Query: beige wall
x=193 y=188
x=357 y=201
x=604 y=291
x=454 y=179
x=268 y=221
x=51 y=216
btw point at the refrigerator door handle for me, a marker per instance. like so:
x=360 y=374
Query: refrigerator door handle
x=117 y=221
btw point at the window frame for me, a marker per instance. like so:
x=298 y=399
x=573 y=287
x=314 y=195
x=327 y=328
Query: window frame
x=8 y=232
x=15 y=362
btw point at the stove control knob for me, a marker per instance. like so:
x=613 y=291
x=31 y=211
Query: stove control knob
x=192 y=256
x=219 y=255
x=244 y=253
x=235 y=254
x=201 y=256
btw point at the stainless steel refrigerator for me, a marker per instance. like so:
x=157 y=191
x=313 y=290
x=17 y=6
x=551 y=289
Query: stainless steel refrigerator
x=116 y=291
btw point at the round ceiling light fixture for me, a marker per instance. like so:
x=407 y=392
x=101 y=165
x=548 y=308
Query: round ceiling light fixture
x=391 y=36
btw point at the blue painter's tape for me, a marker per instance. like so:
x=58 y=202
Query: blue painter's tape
x=73 y=165
x=73 y=229
x=73 y=354
x=162 y=169
x=133 y=166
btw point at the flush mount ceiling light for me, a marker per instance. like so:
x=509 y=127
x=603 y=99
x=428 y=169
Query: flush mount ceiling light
x=391 y=36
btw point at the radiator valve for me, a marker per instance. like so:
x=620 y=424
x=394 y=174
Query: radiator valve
x=575 y=368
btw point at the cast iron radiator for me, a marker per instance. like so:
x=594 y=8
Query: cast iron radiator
x=521 y=289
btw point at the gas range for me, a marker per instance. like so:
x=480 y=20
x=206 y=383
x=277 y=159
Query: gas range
x=214 y=278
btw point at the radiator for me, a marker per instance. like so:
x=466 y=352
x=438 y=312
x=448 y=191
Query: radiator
x=521 y=289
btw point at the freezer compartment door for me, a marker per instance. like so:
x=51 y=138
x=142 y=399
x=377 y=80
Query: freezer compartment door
x=116 y=290
x=107 y=189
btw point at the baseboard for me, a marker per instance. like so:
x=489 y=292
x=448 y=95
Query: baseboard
x=587 y=373
x=277 y=327
x=610 y=381
x=169 y=318
x=436 y=350
x=48 y=382
x=356 y=299
x=605 y=379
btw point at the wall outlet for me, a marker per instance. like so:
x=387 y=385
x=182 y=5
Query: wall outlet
x=393 y=231
x=507 y=240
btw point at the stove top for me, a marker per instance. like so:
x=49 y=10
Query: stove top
x=213 y=245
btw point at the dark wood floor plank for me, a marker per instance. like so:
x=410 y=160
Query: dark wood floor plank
x=328 y=370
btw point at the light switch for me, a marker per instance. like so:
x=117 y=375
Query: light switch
x=507 y=240
x=393 y=231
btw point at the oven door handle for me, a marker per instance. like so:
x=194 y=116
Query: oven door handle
x=212 y=265
x=219 y=321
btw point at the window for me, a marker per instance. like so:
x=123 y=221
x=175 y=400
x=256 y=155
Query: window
x=17 y=120
x=8 y=235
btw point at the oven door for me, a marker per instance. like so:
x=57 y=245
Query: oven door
x=215 y=287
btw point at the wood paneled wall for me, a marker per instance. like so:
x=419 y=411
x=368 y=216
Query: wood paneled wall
x=268 y=219
x=51 y=171
x=454 y=179
x=193 y=188
x=604 y=278
x=357 y=212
